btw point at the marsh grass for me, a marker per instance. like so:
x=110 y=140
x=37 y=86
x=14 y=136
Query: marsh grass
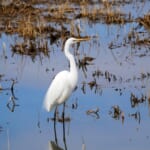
x=55 y=19
x=26 y=28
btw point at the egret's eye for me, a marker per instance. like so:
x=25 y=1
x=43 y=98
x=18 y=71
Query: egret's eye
x=74 y=40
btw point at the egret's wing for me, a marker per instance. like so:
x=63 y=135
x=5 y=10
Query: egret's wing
x=55 y=90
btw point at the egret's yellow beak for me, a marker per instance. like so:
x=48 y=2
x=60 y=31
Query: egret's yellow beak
x=82 y=39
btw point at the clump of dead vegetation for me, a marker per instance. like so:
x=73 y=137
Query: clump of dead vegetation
x=145 y=22
x=117 y=113
x=135 y=101
x=31 y=48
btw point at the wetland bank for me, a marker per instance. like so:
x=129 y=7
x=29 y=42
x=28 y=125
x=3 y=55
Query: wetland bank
x=110 y=107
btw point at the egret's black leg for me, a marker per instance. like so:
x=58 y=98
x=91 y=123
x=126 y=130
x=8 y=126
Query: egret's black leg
x=63 y=113
x=63 y=117
x=55 y=115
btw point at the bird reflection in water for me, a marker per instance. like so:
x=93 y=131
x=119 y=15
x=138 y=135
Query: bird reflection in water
x=53 y=145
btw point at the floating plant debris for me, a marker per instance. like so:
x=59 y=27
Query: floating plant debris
x=136 y=116
x=135 y=101
x=61 y=119
x=93 y=112
x=117 y=113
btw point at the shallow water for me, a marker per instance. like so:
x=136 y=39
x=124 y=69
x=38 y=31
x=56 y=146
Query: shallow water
x=124 y=75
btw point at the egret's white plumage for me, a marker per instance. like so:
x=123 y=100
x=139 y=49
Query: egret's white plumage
x=65 y=81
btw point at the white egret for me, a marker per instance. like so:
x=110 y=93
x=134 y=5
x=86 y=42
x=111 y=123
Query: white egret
x=65 y=81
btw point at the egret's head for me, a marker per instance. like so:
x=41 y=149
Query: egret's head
x=75 y=40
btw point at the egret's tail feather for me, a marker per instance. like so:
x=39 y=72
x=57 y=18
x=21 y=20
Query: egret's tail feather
x=46 y=104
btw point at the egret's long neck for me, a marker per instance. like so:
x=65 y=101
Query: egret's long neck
x=73 y=68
